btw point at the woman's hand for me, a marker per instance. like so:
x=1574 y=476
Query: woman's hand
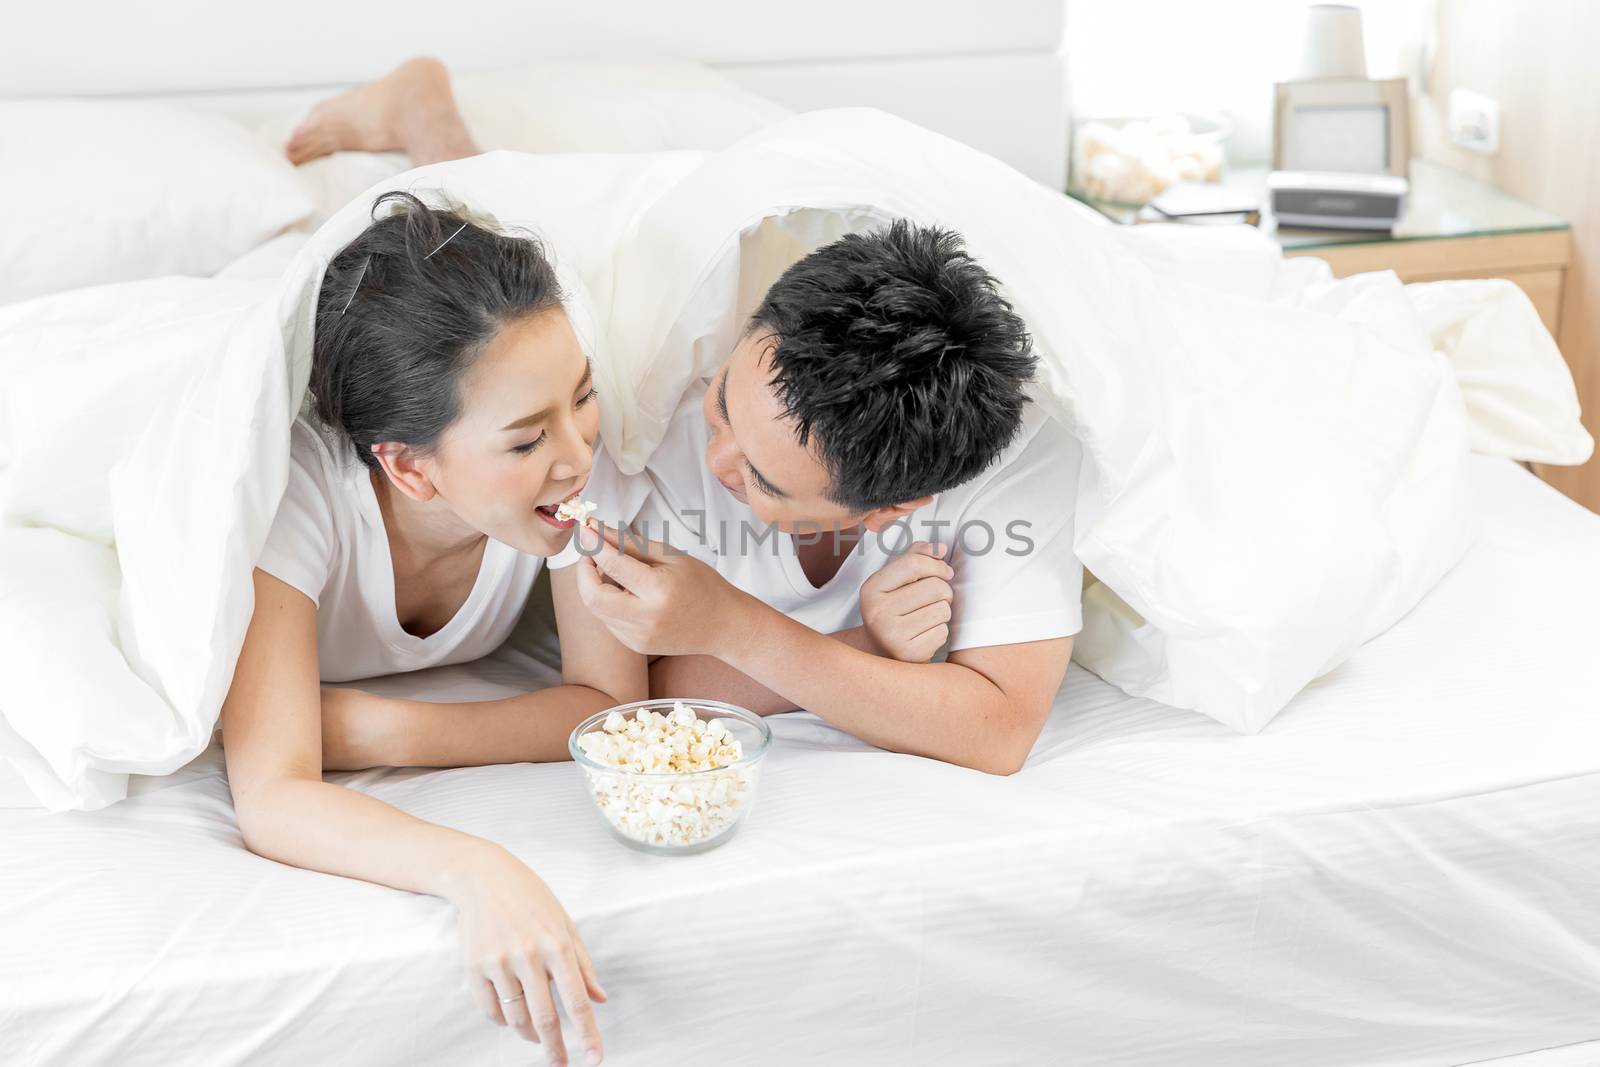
x=905 y=607
x=518 y=939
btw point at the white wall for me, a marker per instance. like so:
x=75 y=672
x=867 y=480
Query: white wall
x=1142 y=57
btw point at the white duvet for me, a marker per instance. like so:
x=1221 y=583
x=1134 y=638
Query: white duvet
x=1397 y=872
x=1273 y=469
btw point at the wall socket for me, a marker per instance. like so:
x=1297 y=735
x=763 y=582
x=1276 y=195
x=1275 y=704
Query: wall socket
x=1474 y=121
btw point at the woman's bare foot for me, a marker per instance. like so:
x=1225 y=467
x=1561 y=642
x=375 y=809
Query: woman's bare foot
x=411 y=109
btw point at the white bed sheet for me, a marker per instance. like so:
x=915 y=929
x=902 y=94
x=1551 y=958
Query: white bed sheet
x=1402 y=869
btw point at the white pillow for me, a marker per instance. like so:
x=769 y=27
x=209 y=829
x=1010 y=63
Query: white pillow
x=115 y=191
x=551 y=106
x=1518 y=389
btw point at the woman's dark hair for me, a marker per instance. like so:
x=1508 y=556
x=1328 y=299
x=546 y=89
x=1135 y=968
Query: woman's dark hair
x=405 y=309
x=897 y=355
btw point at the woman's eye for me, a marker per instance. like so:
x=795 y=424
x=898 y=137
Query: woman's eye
x=523 y=450
x=586 y=397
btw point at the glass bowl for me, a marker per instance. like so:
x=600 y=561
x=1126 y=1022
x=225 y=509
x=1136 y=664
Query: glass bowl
x=675 y=813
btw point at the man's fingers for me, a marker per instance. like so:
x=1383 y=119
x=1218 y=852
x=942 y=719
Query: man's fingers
x=922 y=633
x=591 y=579
x=631 y=544
x=632 y=574
x=919 y=594
x=926 y=618
x=924 y=645
x=927 y=548
x=911 y=567
x=575 y=998
x=603 y=601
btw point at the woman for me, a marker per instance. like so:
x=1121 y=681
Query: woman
x=454 y=412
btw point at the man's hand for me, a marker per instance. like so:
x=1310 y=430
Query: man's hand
x=656 y=601
x=906 y=605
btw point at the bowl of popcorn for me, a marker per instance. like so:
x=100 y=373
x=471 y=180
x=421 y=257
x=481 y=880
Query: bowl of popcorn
x=672 y=776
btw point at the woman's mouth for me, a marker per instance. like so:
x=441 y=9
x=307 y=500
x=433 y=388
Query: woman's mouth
x=547 y=512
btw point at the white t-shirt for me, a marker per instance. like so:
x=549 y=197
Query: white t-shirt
x=328 y=541
x=1010 y=531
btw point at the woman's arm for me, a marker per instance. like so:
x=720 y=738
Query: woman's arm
x=516 y=935
x=590 y=655
x=362 y=730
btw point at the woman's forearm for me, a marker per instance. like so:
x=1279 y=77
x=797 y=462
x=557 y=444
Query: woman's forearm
x=326 y=827
x=361 y=730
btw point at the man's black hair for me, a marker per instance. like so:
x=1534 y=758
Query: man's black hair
x=403 y=312
x=895 y=353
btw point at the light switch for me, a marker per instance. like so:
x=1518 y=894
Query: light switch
x=1474 y=121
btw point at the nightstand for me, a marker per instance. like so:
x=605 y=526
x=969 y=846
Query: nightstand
x=1454 y=227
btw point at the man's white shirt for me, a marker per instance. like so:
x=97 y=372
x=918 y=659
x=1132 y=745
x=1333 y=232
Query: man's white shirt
x=1009 y=531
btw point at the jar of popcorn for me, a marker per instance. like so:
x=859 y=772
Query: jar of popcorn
x=671 y=776
x=1131 y=161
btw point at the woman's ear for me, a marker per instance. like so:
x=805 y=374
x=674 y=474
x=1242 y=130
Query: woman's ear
x=880 y=518
x=406 y=470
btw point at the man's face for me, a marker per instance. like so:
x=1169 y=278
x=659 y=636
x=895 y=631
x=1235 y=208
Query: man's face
x=755 y=452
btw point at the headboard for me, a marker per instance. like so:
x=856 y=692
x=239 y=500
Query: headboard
x=989 y=75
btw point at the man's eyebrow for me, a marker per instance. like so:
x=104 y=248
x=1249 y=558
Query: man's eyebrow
x=538 y=416
x=760 y=479
x=762 y=483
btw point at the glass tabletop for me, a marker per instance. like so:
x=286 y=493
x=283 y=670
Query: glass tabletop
x=1442 y=203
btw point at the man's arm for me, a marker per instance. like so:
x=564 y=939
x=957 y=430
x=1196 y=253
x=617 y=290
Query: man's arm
x=707 y=677
x=905 y=609
x=983 y=708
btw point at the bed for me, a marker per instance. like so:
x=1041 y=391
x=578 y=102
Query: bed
x=1401 y=870
x=1398 y=871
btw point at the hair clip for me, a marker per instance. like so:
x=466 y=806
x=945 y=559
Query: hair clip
x=356 y=288
x=447 y=240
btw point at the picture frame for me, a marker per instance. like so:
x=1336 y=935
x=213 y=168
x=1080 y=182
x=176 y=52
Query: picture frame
x=1353 y=125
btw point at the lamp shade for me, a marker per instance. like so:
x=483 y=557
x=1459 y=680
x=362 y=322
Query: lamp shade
x=1333 y=45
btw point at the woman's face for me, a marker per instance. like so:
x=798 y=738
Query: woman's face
x=524 y=440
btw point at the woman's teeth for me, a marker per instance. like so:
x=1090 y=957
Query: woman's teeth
x=567 y=514
x=574 y=510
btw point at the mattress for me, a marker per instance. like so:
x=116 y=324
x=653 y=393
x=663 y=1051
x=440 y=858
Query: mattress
x=1400 y=870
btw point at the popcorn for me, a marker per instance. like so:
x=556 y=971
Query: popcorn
x=662 y=810
x=575 y=510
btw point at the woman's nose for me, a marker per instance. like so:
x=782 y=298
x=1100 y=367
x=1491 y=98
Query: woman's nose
x=575 y=460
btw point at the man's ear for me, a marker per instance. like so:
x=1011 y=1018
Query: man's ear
x=405 y=468
x=881 y=518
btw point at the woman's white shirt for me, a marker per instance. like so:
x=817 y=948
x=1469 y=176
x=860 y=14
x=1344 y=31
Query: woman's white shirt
x=329 y=542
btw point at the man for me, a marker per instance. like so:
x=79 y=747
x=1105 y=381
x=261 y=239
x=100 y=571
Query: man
x=877 y=403
x=861 y=484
